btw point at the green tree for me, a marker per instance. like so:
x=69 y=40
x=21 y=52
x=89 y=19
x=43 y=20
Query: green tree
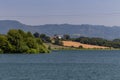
x=5 y=46
x=45 y=38
x=29 y=34
x=15 y=39
x=39 y=41
x=18 y=41
x=1 y=51
x=31 y=43
x=22 y=33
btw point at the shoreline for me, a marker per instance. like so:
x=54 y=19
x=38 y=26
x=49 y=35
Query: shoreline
x=82 y=49
x=59 y=47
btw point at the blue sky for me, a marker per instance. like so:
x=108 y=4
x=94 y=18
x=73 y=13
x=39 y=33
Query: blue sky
x=34 y=12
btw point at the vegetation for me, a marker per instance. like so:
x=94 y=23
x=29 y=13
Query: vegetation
x=45 y=38
x=18 y=41
x=85 y=40
x=66 y=37
x=99 y=41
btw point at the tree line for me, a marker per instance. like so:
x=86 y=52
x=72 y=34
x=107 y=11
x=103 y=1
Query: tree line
x=99 y=41
x=18 y=41
x=85 y=40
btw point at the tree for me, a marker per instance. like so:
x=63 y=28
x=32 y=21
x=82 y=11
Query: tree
x=31 y=43
x=1 y=51
x=29 y=34
x=36 y=35
x=15 y=38
x=22 y=33
x=18 y=41
x=80 y=47
x=45 y=38
x=66 y=37
x=39 y=41
x=116 y=40
x=5 y=46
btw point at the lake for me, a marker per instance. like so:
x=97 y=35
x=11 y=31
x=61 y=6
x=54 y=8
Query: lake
x=62 y=65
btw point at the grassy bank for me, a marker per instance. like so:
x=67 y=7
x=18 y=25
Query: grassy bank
x=57 y=47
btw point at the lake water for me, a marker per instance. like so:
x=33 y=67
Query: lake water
x=62 y=65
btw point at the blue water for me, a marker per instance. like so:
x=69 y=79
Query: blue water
x=62 y=65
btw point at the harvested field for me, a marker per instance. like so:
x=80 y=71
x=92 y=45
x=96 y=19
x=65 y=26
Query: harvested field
x=77 y=45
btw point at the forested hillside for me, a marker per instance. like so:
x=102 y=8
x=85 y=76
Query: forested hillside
x=85 y=30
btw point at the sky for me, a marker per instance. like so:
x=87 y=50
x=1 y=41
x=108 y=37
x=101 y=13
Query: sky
x=38 y=12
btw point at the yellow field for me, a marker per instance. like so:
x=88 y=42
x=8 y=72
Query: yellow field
x=77 y=44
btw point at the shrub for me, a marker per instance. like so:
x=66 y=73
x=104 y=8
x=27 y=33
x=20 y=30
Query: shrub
x=1 y=51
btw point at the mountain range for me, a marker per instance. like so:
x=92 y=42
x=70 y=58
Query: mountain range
x=85 y=30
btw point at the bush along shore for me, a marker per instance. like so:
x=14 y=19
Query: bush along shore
x=18 y=41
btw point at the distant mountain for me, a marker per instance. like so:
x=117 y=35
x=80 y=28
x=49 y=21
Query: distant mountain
x=74 y=30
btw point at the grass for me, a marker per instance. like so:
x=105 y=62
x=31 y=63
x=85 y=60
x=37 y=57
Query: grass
x=58 y=47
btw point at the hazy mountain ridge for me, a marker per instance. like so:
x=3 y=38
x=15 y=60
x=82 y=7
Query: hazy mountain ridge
x=51 y=29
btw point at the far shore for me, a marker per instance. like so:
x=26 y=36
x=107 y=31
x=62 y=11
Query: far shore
x=59 y=47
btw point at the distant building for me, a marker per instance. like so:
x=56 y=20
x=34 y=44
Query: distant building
x=56 y=37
